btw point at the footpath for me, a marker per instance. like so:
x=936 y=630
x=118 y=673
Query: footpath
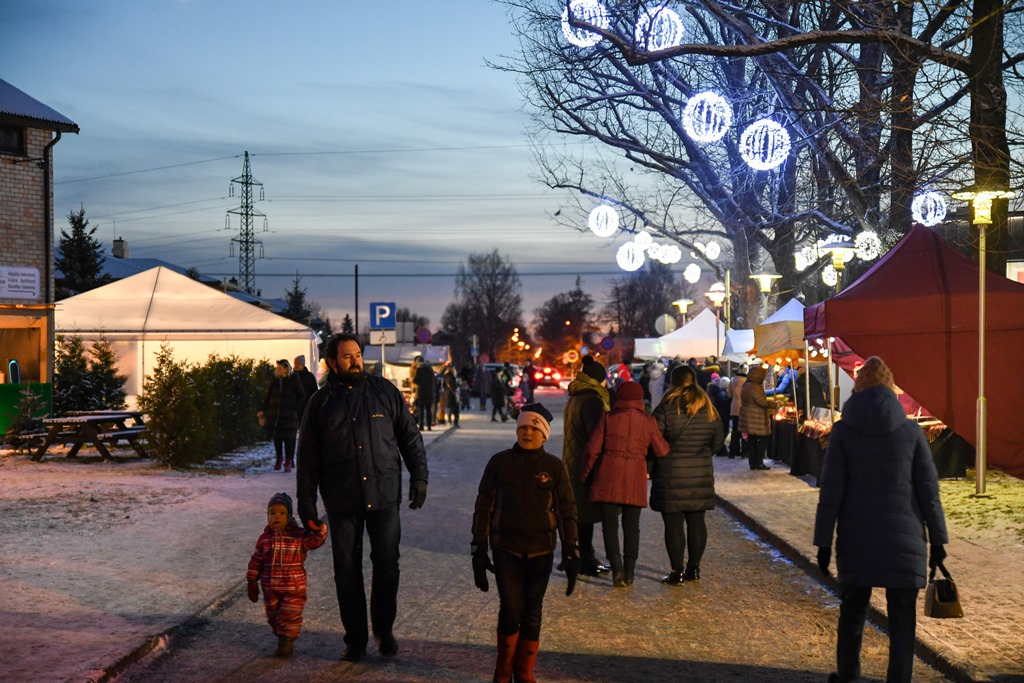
x=107 y=563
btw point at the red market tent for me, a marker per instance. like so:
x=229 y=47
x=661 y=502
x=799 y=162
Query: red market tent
x=917 y=308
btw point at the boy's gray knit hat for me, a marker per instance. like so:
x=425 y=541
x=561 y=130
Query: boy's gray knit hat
x=281 y=499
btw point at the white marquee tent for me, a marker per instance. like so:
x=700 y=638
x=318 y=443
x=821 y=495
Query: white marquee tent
x=695 y=339
x=140 y=313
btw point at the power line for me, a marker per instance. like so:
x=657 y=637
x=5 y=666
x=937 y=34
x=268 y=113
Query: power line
x=567 y=273
x=143 y=170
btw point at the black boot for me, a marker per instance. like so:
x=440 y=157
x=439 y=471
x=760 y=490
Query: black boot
x=675 y=578
x=589 y=566
x=692 y=572
x=616 y=562
x=628 y=568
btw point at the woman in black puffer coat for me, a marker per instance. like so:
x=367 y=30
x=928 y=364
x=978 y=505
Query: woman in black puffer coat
x=279 y=413
x=683 y=484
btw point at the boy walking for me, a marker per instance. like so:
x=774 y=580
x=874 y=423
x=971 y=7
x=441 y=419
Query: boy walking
x=278 y=564
x=524 y=504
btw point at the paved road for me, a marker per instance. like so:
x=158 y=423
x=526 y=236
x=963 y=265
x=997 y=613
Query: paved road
x=752 y=617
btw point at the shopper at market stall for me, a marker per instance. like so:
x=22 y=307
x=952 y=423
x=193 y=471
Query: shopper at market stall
x=755 y=416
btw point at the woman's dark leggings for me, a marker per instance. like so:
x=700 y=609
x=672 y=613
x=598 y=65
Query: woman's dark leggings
x=286 y=443
x=676 y=540
x=522 y=582
x=630 y=530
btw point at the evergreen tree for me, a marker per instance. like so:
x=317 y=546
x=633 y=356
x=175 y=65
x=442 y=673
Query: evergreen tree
x=79 y=257
x=28 y=417
x=72 y=383
x=170 y=402
x=108 y=385
x=297 y=309
x=347 y=326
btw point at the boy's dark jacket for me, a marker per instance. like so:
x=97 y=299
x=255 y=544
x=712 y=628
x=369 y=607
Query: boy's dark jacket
x=524 y=500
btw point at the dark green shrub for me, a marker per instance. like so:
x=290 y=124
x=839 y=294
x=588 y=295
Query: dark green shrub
x=28 y=417
x=84 y=383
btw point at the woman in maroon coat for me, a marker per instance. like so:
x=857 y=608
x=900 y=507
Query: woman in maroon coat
x=615 y=460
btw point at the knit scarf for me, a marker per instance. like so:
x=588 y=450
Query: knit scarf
x=584 y=382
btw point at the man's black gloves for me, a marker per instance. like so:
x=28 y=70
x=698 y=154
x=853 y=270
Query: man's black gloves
x=570 y=564
x=417 y=493
x=936 y=556
x=824 y=557
x=481 y=565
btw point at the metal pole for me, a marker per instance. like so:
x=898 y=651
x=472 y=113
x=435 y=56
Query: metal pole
x=357 y=300
x=718 y=345
x=982 y=408
x=831 y=384
x=807 y=379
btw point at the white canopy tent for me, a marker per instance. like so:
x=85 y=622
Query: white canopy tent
x=781 y=334
x=140 y=313
x=738 y=343
x=695 y=339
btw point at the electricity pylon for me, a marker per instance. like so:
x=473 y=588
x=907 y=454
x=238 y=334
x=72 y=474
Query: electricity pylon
x=246 y=240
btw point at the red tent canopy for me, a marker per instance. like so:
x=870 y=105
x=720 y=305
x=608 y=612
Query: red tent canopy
x=917 y=308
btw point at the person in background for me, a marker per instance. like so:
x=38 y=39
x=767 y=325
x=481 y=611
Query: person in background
x=735 y=392
x=615 y=465
x=280 y=413
x=588 y=400
x=498 y=389
x=307 y=380
x=450 y=382
x=785 y=382
x=278 y=566
x=683 y=484
x=756 y=416
x=423 y=390
x=528 y=382
x=708 y=368
x=482 y=380
x=466 y=375
x=321 y=373
x=645 y=383
x=657 y=383
x=880 y=495
x=355 y=436
x=718 y=393
x=524 y=504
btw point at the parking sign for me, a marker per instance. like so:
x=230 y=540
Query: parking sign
x=382 y=315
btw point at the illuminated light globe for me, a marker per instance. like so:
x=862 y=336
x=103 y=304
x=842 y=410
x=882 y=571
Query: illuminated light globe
x=671 y=254
x=643 y=240
x=764 y=145
x=712 y=250
x=830 y=276
x=707 y=117
x=692 y=273
x=928 y=208
x=869 y=247
x=658 y=28
x=590 y=11
x=603 y=221
x=629 y=257
x=805 y=258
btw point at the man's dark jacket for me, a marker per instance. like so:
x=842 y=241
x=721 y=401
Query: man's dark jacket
x=308 y=381
x=351 y=446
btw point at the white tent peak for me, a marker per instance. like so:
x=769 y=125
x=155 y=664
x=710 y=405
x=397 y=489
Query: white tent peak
x=792 y=310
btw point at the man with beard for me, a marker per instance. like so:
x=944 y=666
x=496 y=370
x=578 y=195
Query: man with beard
x=355 y=435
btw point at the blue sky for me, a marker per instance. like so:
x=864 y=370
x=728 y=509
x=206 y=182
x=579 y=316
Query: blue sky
x=378 y=131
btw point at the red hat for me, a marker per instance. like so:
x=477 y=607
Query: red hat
x=630 y=391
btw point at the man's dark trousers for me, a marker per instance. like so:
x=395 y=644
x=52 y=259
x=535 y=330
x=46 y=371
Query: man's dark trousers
x=384 y=530
x=901 y=604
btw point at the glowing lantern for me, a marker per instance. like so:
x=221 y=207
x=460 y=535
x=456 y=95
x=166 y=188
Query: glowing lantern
x=712 y=250
x=869 y=247
x=692 y=273
x=658 y=28
x=707 y=117
x=805 y=258
x=643 y=240
x=590 y=11
x=603 y=221
x=629 y=257
x=928 y=208
x=764 y=145
x=829 y=275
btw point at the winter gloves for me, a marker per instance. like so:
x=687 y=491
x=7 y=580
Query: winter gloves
x=481 y=565
x=570 y=564
x=824 y=558
x=936 y=556
x=252 y=588
x=417 y=493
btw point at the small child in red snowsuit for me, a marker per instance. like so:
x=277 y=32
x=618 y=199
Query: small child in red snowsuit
x=277 y=563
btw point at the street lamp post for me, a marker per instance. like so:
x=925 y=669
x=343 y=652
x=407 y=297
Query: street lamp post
x=841 y=249
x=717 y=296
x=682 y=305
x=981 y=200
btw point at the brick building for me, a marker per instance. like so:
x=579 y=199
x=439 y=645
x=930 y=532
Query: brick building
x=28 y=132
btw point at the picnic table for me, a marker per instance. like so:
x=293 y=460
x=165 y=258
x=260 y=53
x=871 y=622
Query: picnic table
x=99 y=429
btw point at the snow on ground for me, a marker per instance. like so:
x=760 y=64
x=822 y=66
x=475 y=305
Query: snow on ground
x=74 y=603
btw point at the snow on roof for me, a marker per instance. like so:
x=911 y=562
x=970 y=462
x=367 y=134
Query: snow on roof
x=18 y=107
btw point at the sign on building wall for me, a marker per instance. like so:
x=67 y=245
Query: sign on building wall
x=19 y=283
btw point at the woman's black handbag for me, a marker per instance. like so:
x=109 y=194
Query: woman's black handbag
x=941 y=598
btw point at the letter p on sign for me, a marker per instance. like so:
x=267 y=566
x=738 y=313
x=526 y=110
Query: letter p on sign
x=382 y=315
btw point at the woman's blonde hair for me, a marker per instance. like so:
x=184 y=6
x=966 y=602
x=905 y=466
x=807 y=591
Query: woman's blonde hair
x=686 y=394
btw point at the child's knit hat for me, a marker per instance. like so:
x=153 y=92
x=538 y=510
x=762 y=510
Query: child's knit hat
x=537 y=416
x=281 y=499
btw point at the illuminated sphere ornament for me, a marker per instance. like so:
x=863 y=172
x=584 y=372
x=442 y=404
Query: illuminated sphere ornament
x=869 y=247
x=603 y=221
x=692 y=273
x=590 y=11
x=643 y=240
x=658 y=28
x=671 y=254
x=707 y=117
x=630 y=257
x=764 y=145
x=712 y=250
x=928 y=208
x=829 y=275
x=805 y=258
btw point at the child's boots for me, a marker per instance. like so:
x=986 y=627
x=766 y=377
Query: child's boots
x=506 y=658
x=526 y=659
x=284 y=647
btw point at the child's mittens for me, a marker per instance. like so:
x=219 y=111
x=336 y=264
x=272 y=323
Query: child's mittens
x=252 y=588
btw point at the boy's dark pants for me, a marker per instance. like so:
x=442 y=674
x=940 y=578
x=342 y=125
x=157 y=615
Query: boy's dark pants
x=384 y=529
x=522 y=582
x=901 y=604
x=284 y=611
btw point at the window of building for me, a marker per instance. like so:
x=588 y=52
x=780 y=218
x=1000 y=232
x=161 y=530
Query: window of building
x=12 y=140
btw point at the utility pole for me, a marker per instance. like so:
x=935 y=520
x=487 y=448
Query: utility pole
x=246 y=240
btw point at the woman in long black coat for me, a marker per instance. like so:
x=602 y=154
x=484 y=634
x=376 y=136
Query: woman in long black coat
x=280 y=413
x=683 y=484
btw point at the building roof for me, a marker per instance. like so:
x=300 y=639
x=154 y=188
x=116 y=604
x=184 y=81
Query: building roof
x=19 y=108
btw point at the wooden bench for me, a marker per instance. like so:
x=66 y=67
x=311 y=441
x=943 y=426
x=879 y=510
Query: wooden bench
x=129 y=434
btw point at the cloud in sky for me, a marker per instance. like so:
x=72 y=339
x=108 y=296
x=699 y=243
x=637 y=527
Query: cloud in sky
x=378 y=132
